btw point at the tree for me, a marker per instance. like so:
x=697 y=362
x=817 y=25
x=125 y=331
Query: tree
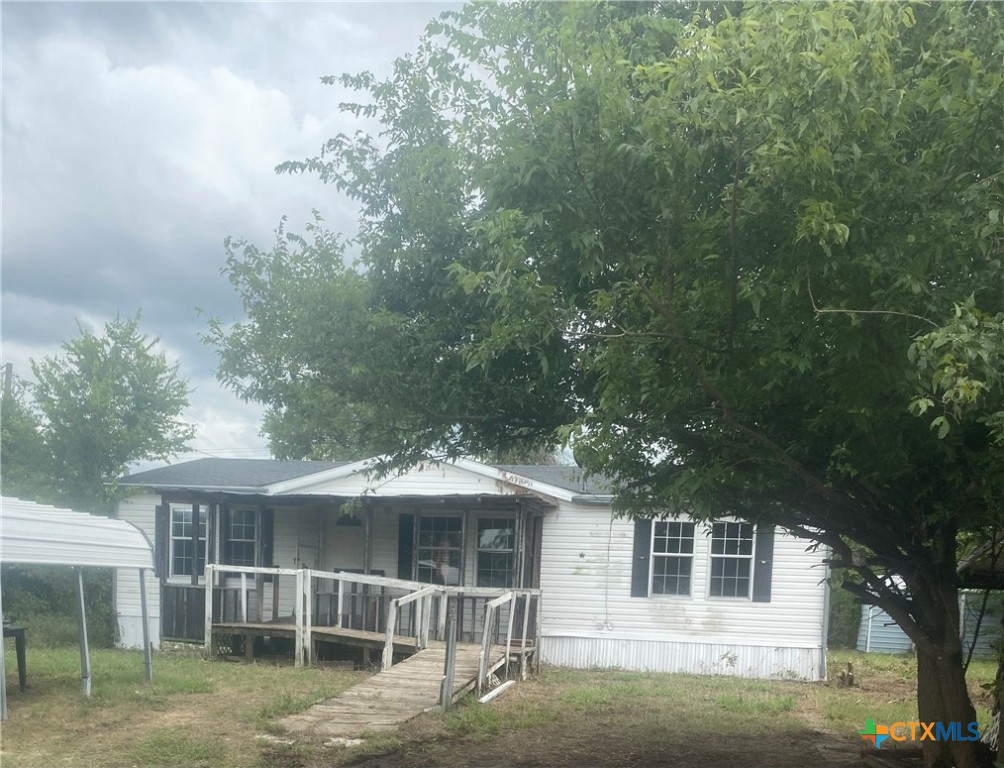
x=23 y=469
x=105 y=402
x=739 y=260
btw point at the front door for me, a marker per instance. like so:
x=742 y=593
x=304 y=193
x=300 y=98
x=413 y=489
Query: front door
x=344 y=544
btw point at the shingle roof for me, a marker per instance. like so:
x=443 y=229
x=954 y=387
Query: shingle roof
x=227 y=473
x=569 y=478
x=252 y=474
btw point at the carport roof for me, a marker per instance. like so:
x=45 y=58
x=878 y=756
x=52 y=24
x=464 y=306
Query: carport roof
x=40 y=534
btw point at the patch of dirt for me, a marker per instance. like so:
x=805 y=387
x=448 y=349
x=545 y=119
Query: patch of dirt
x=605 y=748
x=610 y=737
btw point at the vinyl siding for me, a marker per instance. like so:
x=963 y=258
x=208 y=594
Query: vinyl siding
x=428 y=479
x=590 y=619
x=140 y=511
x=989 y=638
x=878 y=633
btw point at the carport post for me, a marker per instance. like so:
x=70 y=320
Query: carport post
x=85 y=659
x=3 y=673
x=147 y=650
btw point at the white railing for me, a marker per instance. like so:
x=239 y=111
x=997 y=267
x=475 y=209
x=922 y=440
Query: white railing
x=300 y=625
x=490 y=632
x=423 y=600
x=422 y=595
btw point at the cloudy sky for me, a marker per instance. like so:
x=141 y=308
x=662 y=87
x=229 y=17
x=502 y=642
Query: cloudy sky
x=137 y=136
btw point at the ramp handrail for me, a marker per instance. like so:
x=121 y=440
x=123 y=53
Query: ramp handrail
x=424 y=599
x=420 y=593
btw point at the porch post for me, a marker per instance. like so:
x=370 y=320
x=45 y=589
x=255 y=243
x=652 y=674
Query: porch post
x=308 y=615
x=208 y=618
x=518 y=548
x=298 y=618
x=259 y=578
x=465 y=517
x=368 y=544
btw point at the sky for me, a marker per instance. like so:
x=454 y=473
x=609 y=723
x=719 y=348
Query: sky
x=137 y=136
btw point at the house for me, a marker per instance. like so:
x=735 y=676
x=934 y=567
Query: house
x=668 y=595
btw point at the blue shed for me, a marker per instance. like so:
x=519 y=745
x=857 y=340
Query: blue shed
x=878 y=633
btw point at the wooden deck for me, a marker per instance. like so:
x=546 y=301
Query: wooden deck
x=356 y=638
x=391 y=697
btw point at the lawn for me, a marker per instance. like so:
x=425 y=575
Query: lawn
x=200 y=713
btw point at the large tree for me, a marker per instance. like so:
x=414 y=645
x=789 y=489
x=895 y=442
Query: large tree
x=749 y=261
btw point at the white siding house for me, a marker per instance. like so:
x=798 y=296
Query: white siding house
x=591 y=616
x=728 y=598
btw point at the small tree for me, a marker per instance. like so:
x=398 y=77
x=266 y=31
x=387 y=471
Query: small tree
x=104 y=402
x=24 y=465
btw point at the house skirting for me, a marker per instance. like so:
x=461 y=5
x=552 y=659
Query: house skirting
x=694 y=657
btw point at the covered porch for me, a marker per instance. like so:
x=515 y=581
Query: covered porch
x=478 y=546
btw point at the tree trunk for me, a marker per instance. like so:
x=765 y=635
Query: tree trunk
x=942 y=697
x=942 y=693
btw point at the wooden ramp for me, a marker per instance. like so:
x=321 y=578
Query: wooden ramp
x=391 y=697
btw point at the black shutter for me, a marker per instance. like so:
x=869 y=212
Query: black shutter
x=266 y=536
x=212 y=513
x=405 y=545
x=640 y=560
x=161 y=540
x=224 y=534
x=764 y=566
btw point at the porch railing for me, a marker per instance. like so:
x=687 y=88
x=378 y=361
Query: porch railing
x=391 y=607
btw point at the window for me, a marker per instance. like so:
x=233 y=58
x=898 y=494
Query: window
x=440 y=540
x=731 y=559
x=183 y=545
x=239 y=538
x=496 y=537
x=672 y=557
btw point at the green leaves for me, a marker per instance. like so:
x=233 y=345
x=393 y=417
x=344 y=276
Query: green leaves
x=961 y=366
x=105 y=401
x=706 y=244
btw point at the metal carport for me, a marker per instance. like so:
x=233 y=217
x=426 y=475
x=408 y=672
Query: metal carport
x=39 y=534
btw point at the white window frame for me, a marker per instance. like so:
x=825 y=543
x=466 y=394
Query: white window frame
x=510 y=522
x=734 y=556
x=426 y=564
x=225 y=558
x=203 y=522
x=665 y=556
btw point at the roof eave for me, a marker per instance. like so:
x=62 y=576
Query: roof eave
x=594 y=498
x=247 y=490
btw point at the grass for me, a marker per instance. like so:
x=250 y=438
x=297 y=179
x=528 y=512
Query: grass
x=199 y=714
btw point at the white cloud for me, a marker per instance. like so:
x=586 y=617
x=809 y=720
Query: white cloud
x=136 y=137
